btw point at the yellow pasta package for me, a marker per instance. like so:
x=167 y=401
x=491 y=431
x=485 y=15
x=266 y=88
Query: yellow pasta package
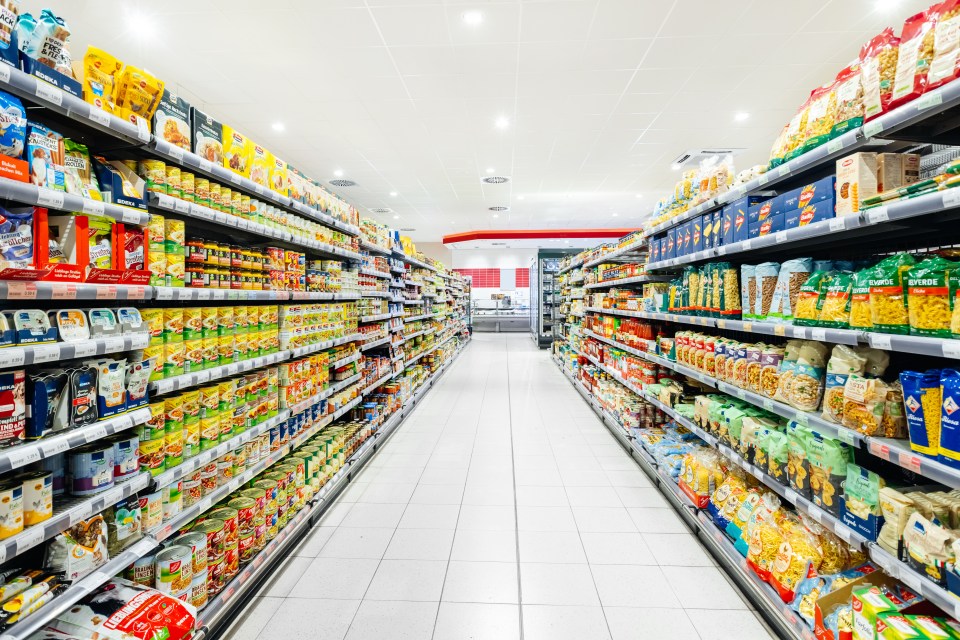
x=138 y=94
x=929 y=295
x=888 y=296
x=860 y=315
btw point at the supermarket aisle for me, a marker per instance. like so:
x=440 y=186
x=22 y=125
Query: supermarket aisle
x=502 y=509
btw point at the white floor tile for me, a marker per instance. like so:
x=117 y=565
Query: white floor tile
x=485 y=582
x=381 y=491
x=415 y=580
x=420 y=544
x=677 y=550
x=357 y=542
x=633 y=586
x=484 y=546
x=557 y=584
x=335 y=578
x=286 y=576
x=487 y=518
x=657 y=520
x=254 y=617
x=374 y=515
x=703 y=588
x=641 y=497
x=616 y=548
x=603 y=520
x=545 y=519
x=311 y=545
x=551 y=546
x=473 y=621
x=430 y=516
x=627 y=623
x=713 y=624
x=394 y=620
x=533 y=496
x=564 y=623
x=437 y=494
x=288 y=621
x=594 y=497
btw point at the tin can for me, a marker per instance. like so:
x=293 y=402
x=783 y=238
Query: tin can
x=91 y=469
x=11 y=509
x=231 y=563
x=143 y=571
x=188 y=186
x=209 y=479
x=247 y=547
x=174 y=571
x=260 y=536
x=201 y=191
x=245 y=508
x=192 y=489
x=272 y=520
x=56 y=465
x=215 y=530
x=230 y=525
x=215 y=577
x=197 y=542
x=269 y=488
x=198 y=590
x=37 y=488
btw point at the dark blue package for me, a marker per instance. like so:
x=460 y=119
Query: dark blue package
x=45 y=392
x=919 y=389
x=16 y=239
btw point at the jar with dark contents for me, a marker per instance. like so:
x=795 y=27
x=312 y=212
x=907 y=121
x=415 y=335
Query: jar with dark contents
x=236 y=257
x=195 y=275
x=236 y=279
x=196 y=250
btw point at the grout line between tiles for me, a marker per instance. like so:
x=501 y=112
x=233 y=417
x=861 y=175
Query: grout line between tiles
x=513 y=477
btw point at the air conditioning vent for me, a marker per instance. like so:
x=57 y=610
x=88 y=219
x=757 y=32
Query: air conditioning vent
x=407 y=229
x=381 y=210
x=343 y=183
x=694 y=156
x=495 y=179
x=499 y=208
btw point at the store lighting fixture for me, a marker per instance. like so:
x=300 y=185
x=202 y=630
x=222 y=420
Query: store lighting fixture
x=886 y=5
x=338 y=173
x=472 y=18
x=519 y=197
x=396 y=217
x=278 y=126
x=742 y=116
x=502 y=122
x=639 y=195
x=615 y=214
x=393 y=194
x=676 y=166
x=489 y=169
x=496 y=215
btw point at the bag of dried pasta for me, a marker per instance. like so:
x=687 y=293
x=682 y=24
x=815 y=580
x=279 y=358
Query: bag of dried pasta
x=748 y=290
x=844 y=362
x=797 y=553
x=764 y=535
x=928 y=547
x=828 y=460
x=754 y=366
x=864 y=400
x=949 y=448
x=806 y=385
x=860 y=315
x=928 y=290
x=810 y=299
x=798 y=467
x=770 y=361
x=788 y=367
x=726 y=290
x=740 y=365
x=766 y=275
x=835 y=310
x=894 y=422
x=953 y=283
x=878 y=68
x=821 y=116
x=728 y=494
x=888 y=298
x=921 y=399
x=945 y=65
x=835 y=554
x=915 y=56
x=792 y=275
x=849 y=90
x=738 y=522
x=793 y=140
x=778 y=454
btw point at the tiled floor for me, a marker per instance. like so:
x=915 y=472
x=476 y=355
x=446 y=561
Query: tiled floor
x=502 y=509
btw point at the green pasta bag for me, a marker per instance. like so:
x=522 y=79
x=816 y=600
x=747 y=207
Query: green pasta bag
x=928 y=290
x=888 y=296
x=860 y=317
x=835 y=307
x=798 y=468
x=810 y=299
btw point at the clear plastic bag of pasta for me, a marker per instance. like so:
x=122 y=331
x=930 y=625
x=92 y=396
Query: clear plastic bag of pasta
x=792 y=275
x=864 y=400
x=915 y=56
x=726 y=290
x=835 y=310
x=888 y=297
x=849 y=90
x=928 y=291
x=878 y=68
x=788 y=367
x=766 y=276
x=922 y=400
x=729 y=493
x=798 y=552
x=764 y=536
x=945 y=65
x=860 y=314
x=806 y=385
x=754 y=366
x=810 y=298
x=770 y=361
x=835 y=554
x=748 y=290
x=894 y=422
x=844 y=362
x=821 y=116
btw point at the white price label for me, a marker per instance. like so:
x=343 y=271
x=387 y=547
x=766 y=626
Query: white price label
x=768 y=404
x=21 y=290
x=951 y=348
x=181 y=206
x=49 y=198
x=165 y=202
x=30 y=538
x=164 y=293
x=927 y=100
x=206 y=165
x=114 y=344
x=846 y=435
x=63 y=291
x=838 y=224
x=82 y=512
x=23 y=455
x=879 y=340
x=780 y=237
x=872 y=128
x=130 y=216
x=783 y=170
x=107 y=292
x=113 y=496
x=139 y=340
x=763 y=179
x=222 y=218
x=844 y=534
x=143 y=130
x=5 y=77
x=818 y=334
x=798 y=332
x=99 y=116
x=951 y=197
x=912 y=580
x=93 y=207
x=204 y=213
x=878 y=215
x=219 y=295
x=745 y=245
x=233 y=295
x=46 y=353
x=203 y=294
x=834 y=145
x=791 y=495
x=721 y=250
x=243 y=223
x=816 y=514
x=175 y=152
x=203 y=376
x=183 y=293
x=95 y=433
x=259 y=189
x=235 y=178
x=12 y=357
x=49 y=93
x=51 y=449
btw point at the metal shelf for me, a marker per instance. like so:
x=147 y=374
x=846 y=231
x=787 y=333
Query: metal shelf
x=374 y=273
x=611 y=256
x=21 y=355
x=191 y=294
x=376 y=343
x=42 y=290
x=376 y=318
x=336 y=388
x=28 y=193
x=202 y=377
x=375 y=294
x=326 y=344
x=369 y=247
x=620 y=282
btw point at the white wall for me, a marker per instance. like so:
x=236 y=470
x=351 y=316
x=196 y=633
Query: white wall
x=492 y=258
x=437 y=251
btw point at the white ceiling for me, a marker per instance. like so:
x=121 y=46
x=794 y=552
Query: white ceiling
x=403 y=95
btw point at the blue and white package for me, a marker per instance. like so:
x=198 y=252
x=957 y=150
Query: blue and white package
x=13 y=126
x=16 y=239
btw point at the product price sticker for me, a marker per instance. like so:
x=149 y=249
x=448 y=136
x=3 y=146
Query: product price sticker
x=93 y=207
x=929 y=100
x=30 y=538
x=951 y=197
x=951 y=348
x=5 y=77
x=46 y=353
x=96 y=432
x=846 y=435
x=23 y=455
x=50 y=93
x=909 y=461
x=50 y=198
x=181 y=206
x=838 y=224
x=834 y=145
x=99 y=116
x=54 y=447
x=106 y=292
x=878 y=340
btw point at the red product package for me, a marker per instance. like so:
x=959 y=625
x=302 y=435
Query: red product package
x=916 y=54
x=121 y=609
x=878 y=67
x=946 y=45
x=133 y=249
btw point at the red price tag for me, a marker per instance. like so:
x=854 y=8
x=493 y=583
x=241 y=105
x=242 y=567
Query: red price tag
x=107 y=292
x=880 y=450
x=63 y=291
x=910 y=461
x=21 y=290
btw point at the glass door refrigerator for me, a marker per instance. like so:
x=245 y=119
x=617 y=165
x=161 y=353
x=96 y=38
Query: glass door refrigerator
x=545 y=319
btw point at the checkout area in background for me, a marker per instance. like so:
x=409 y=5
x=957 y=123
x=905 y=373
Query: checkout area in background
x=500 y=313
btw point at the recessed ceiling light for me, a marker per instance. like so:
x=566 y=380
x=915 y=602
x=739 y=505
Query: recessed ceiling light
x=884 y=5
x=742 y=116
x=338 y=173
x=502 y=122
x=396 y=217
x=676 y=166
x=278 y=126
x=472 y=18
x=393 y=194
x=496 y=215
x=615 y=214
x=519 y=197
x=489 y=169
x=639 y=195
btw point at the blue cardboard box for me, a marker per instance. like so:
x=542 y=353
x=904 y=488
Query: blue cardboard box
x=773 y=224
x=761 y=211
x=727 y=231
x=753 y=231
x=688 y=238
x=696 y=232
x=681 y=234
x=741 y=209
x=663 y=247
x=708 y=230
x=717 y=217
x=654 y=249
x=671 y=244
x=817 y=212
x=812 y=193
